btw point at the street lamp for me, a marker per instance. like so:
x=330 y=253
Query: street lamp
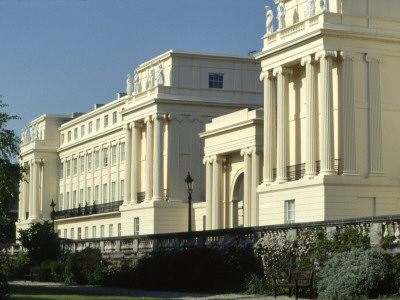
x=189 y=186
x=52 y=205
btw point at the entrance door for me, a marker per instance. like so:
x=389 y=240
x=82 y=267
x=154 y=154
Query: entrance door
x=237 y=202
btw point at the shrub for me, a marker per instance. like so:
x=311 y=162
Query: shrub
x=51 y=270
x=20 y=266
x=4 y=287
x=40 y=241
x=356 y=274
x=81 y=264
x=255 y=284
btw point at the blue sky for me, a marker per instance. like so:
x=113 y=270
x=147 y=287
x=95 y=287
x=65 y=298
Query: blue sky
x=60 y=56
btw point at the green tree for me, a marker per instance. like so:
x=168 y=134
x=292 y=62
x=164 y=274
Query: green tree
x=10 y=174
x=40 y=241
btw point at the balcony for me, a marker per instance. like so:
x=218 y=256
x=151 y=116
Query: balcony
x=88 y=210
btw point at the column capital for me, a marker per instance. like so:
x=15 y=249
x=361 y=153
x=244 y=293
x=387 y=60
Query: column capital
x=326 y=54
x=147 y=119
x=175 y=117
x=283 y=71
x=246 y=151
x=207 y=160
x=126 y=127
x=306 y=60
x=216 y=159
x=266 y=75
x=371 y=58
x=158 y=116
x=347 y=55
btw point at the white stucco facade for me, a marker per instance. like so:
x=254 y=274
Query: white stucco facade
x=323 y=147
x=128 y=159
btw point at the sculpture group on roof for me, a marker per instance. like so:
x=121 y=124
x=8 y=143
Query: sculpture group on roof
x=281 y=14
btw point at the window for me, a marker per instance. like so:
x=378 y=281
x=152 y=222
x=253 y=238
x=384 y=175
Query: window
x=89 y=195
x=105 y=157
x=68 y=168
x=86 y=232
x=62 y=138
x=72 y=233
x=74 y=199
x=60 y=202
x=61 y=170
x=97 y=124
x=81 y=197
x=289 y=211
x=102 y=231
x=136 y=226
x=122 y=190
x=82 y=130
x=96 y=194
x=79 y=233
x=65 y=233
x=105 y=193
x=75 y=133
x=90 y=127
x=82 y=164
x=113 y=191
x=110 y=230
x=94 y=232
x=105 y=121
x=69 y=136
x=115 y=117
x=89 y=162
x=122 y=151
x=119 y=229
x=97 y=159
x=215 y=81
x=114 y=154
x=67 y=202
x=75 y=166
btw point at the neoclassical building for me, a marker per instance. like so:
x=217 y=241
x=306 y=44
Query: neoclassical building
x=308 y=130
x=120 y=169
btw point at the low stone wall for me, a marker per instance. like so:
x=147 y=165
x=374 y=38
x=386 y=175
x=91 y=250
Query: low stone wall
x=135 y=246
x=132 y=247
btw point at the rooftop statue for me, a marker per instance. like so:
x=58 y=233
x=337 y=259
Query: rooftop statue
x=129 y=85
x=137 y=83
x=310 y=9
x=281 y=15
x=150 y=80
x=324 y=5
x=269 y=20
x=160 y=75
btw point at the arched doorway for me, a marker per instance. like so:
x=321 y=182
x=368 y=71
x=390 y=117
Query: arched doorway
x=237 y=202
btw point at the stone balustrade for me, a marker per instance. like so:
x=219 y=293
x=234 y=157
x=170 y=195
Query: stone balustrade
x=134 y=246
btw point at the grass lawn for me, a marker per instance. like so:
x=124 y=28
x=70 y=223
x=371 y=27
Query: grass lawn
x=35 y=292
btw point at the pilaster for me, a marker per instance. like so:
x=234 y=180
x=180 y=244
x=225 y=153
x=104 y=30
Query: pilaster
x=128 y=154
x=149 y=159
x=374 y=116
x=158 y=170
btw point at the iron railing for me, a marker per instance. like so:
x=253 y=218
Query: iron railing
x=296 y=172
x=88 y=210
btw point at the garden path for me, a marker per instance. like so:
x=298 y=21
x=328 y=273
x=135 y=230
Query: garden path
x=145 y=293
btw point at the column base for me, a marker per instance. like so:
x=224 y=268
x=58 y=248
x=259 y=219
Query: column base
x=267 y=182
x=350 y=173
x=310 y=175
x=376 y=174
x=327 y=173
x=157 y=199
x=281 y=180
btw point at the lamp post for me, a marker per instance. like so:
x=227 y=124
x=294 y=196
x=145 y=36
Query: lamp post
x=52 y=205
x=189 y=186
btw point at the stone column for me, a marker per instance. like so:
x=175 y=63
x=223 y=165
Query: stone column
x=175 y=189
x=269 y=126
x=348 y=119
x=374 y=116
x=255 y=181
x=134 y=163
x=209 y=189
x=326 y=110
x=24 y=199
x=246 y=153
x=217 y=192
x=149 y=159
x=128 y=151
x=311 y=154
x=282 y=123
x=30 y=207
x=21 y=199
x=35 y=196
x=158 y=171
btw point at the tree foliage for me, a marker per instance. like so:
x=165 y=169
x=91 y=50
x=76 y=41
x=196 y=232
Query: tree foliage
x=10 y=172
x=40 y=241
